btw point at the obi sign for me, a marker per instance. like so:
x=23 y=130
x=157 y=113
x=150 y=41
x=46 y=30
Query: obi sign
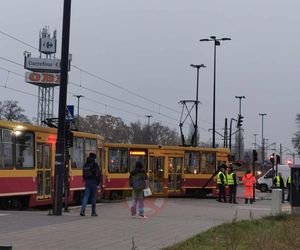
x=43 y=79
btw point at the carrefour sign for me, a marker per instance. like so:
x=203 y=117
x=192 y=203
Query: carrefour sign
x=42 y=79
x=43 y=64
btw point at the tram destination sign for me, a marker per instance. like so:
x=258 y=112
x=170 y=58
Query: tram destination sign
x=42 y=79
x=43 y=64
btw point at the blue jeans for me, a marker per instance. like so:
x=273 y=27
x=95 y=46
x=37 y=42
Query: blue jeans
x=90 y=190
x=137 y=196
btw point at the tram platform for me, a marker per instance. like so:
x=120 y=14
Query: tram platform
x=171 y=220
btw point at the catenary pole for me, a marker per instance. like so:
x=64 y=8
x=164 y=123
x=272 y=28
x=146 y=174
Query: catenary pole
x=60 y=160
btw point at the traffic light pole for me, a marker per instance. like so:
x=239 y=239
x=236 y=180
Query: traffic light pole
x=60 y=144
x=240 y=124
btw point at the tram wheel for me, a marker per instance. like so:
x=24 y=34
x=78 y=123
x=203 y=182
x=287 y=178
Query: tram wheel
x=16 y=203
x=115 y=195
x=201 y=193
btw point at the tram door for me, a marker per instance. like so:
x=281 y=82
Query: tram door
x=43 y=171
x=156 y=174
x=175 y=173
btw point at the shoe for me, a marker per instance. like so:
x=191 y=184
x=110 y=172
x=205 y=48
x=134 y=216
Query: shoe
x=94 y=214
x=235 y=202
x=82 y=212
x=143 y=217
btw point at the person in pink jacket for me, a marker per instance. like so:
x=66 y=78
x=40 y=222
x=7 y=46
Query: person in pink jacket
x=248 y=181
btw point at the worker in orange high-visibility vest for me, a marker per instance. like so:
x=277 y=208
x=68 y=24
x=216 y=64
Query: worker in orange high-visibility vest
x=248 y=181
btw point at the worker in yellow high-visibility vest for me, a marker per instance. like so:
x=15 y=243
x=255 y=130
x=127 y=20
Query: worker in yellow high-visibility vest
x=279 y=183
x=232 y=184
x=222 y=181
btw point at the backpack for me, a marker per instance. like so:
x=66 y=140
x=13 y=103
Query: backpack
x=137 y=181
x=88 y=171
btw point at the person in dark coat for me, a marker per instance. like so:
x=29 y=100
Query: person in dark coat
x=91 y=177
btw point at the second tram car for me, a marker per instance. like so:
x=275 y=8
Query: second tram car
x=172 y=170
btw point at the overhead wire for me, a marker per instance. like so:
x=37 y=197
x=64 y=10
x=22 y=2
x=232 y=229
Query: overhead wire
x=72 y=94
x=102 y=79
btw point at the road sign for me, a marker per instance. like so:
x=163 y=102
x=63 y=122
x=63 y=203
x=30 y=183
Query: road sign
x=47 y=45
x=70 y=113
x=42 y=79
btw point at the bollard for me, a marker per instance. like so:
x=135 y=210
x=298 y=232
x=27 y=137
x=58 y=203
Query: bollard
x=276 y=201
x=295 y=190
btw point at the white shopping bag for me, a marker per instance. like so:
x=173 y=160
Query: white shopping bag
x=147 y=192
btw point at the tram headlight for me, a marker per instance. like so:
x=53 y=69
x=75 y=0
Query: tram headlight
x=258 y=172
x=17 y=132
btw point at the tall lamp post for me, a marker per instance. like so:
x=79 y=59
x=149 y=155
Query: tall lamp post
x=240 y=113
x=197 y=66
x=255 y=141
x=262 y=137
x=216 y=43
x=78 y=98
x=148 y=137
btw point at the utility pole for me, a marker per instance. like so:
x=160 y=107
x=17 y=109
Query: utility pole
x=255 y=140
x=78 y=98
x=240 y=114
x=262 y=138
x=60 y=144
x=280 y=153
x=225 y=134
x=148 y=137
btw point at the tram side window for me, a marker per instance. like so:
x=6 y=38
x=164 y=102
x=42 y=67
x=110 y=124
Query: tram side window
x=118 y=160
x=25 y=150
x=77 y=152
x=91 y=147
x=6 y=149
x=191 y=162
x=208 y=163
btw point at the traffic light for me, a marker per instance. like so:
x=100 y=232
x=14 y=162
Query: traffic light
x=254 y=155
x=240 y=121
x=272 y=159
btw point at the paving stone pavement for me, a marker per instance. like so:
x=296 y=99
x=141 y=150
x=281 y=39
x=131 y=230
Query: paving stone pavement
x=170 y=220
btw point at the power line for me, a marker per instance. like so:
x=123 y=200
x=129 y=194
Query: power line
x=70 y=93
x=102 y=79
x=18 y=40
x=127 y=90
x=96 y=76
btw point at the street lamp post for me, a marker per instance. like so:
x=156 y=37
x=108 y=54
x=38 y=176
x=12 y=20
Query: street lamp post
x=216 y=43
x=255 y=141
x=240 y=113
x=198 y=66
x=262 y=137
x=148 y=137
x=78 y=98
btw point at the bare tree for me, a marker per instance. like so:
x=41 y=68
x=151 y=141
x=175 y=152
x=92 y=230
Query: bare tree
x=296 y=138
x=112 y=128
x=11 y=111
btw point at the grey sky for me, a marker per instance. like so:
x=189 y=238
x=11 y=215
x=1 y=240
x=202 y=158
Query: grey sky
x=147 y=47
